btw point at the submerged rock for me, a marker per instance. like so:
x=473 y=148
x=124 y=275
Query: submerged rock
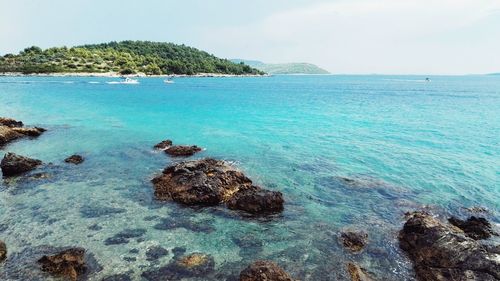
x=74 y=159
x=3 y=251
x=182 y=150
x=123 y=236
x=441 y=251
x=29 y=132
x=69 y=263
x=256 y=200
x=354 y=240
x=23 y=264
x=13 y=164
x=264 y=271
x=192 y=265
x=357 y=273
x=211 y=182
x=476 y=228
x=163 y=145
x=155 y=253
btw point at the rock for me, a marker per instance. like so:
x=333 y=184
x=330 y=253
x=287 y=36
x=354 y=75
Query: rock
x=182 y=150
x=193 y=265
x=256 y=200
x=9 y=122
x=476 y=228
x=264 y=271
x=74 y=159
x=210 y=182
x=123 y=236
x=3 y=251
x=156 y=252
x=117 y=277
x=170 y=223
x=163 y=145
x=441 y=251
x=7 y=135
x=29 y=132
x=357 y=273
x=13 y=164
x=355 y=241
x=94 y=211
x=69 y=263
x=199 y=182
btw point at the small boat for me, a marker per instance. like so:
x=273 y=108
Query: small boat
x=125 y=80
x=168 y=81
x=427 y=79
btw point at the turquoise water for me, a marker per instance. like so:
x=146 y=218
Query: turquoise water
x=405 y=142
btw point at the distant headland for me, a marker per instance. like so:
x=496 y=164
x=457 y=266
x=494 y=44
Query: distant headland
x=283 y=68
x=141 y=58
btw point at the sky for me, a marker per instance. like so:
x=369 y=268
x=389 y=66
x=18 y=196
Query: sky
x=342 y=36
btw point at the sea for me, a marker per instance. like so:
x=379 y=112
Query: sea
x=347 y=152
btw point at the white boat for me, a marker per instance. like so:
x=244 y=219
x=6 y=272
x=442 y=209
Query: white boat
x=168 y=81
x=125 y=81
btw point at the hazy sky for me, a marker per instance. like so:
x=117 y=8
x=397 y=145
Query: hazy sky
x=343 y=36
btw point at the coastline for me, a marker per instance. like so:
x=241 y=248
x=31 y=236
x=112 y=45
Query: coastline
x=116 y=75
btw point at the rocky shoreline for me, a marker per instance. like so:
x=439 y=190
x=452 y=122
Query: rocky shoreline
x=440 y=249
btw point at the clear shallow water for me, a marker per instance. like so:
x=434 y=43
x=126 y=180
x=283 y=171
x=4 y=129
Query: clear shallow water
x=405 y=143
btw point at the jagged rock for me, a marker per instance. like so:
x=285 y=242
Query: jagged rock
x=13 y=164
x=200 y=182
x=441 y=251
x=264 y=271
x=476 y=228
x=9 y=122
x=3 y=251
x=354 y=240
x=74 y=159
x=11 y=130
x=357 y=273
x=212 y=182
x=163 y=145
x=256 y=200
x=69 y=263
x=182 y=150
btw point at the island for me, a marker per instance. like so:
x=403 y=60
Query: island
x=283 y=68
x=123 y=58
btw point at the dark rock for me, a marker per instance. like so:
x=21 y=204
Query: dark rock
x=9 y=122
x=200 y=182
x=264 y=271
x=13 y=164
x=69 y=263
x=178 y=251
x=357 y=273
x=134 y=251
x=23 y=264
x=182 y=150
x=99 y=211
x=3 y=251
x=156 y=252
x=355 y=241
x=477 y=209
x=163 y=145
x=124 y=236
x=129 y=259
x=117 y=277
x=95 y=227
x=256 y=200
x=174 y=223
x=441 y=251
x=476 y=228
x=74 y=159
x=193 y=265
